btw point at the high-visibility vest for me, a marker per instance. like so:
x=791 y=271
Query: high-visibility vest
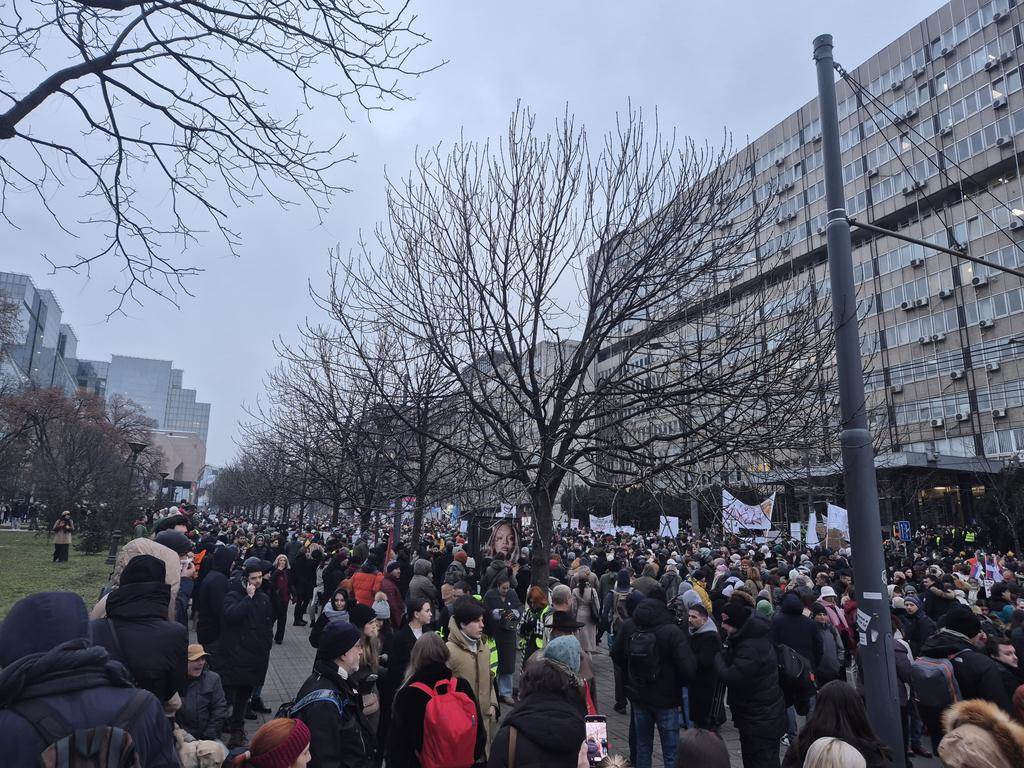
x=969 y=537
x=494 y=655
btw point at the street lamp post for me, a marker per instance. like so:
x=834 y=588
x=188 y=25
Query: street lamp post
x=115 y=535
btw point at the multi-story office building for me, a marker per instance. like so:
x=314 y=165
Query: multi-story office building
x=155 y=385
x=931 y=150
x=45 y=349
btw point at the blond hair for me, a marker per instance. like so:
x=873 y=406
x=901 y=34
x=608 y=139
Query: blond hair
x=830 y=752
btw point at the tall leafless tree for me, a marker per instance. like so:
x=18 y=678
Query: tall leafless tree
x=160 y=115
x=607 y=314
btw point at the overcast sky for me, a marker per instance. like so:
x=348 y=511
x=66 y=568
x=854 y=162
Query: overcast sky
x=740 y=65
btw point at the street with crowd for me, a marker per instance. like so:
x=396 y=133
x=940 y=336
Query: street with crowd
x=428 y=656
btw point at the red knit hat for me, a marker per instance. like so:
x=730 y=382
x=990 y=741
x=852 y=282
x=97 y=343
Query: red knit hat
x=285 y=753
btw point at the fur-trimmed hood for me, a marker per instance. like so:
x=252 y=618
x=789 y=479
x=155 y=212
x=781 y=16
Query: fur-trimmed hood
x=980 y=735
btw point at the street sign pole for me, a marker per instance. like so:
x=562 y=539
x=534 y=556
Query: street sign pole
x=875 y=652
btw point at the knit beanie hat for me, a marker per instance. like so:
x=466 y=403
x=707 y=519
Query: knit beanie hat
x=361 y=615
x=252 y=565
x=461 y=556
x=963 y=620
x=287 y=751
x=765 y=609
x=143 y=568
x=382 y=609
x=735 y=614
x=337 y=639
x=565 y=650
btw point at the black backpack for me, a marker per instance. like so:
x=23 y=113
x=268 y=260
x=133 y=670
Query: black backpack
x=796 y=678
x=644 y=663
x=109 y=746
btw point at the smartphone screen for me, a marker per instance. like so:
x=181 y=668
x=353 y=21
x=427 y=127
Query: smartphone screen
x=597 y=738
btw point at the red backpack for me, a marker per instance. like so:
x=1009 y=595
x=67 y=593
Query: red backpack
x=449 y=727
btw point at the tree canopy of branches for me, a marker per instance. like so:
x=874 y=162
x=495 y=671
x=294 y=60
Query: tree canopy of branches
x=161 y=114
x=75 y=453
x=608 y=314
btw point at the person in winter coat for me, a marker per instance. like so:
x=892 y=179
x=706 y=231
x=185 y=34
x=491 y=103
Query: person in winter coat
x=47 y=659
x=304 y=567
x=421 y=587
x=133 y=548
x=977 y=676
x=495 y=568
x=397 y=652
x=588 y=609
x=62 y=530
x=153 y=648
x=746 y=666
x=470 y=656
x=706 y=644
x=917 y=625
x=654 y=684
x=330 y=706
x=243 y=653
x=336 y=610
x=839 y=713
x=978 y=733
x=549 y=723
x=365 y=584
x=210 y=596
x=456 y=570
x=428 y=665
x=790 y=627
x=392 y=588
x=829 y=667
x=204 y=709
x=260 y=549
x=280 y=595
x=671 y=580
x=502 y=624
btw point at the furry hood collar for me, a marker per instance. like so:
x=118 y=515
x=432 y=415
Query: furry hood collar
x=981 y=735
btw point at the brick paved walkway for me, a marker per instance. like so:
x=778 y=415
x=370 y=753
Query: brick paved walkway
x=291 y=662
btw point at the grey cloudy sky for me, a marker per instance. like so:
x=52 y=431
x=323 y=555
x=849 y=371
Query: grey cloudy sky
x=740 y=65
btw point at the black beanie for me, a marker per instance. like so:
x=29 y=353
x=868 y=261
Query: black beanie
x=361 y=615
x=176 y=540
x=143 y=568
x=735 y=614
x=961 y=619
x=337 y=639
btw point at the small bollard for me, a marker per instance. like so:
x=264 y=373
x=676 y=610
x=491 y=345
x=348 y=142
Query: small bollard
x=115 y=539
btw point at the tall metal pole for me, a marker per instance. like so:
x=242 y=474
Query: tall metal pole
x=875 y=654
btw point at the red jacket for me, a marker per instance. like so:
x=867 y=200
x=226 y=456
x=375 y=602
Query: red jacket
x=365 y=586
x=395 y=602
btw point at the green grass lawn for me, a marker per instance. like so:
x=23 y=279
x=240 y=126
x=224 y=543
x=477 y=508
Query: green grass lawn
x=26 y=566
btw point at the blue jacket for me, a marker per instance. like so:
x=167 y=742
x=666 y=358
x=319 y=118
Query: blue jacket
x=88 y=690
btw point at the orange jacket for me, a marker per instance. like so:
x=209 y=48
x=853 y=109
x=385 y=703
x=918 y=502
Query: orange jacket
x=365 y=586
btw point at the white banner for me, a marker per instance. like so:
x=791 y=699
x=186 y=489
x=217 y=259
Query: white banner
x=794 y=531
x=574 y=523
x=737 y=516
x=668 y=526
x=839 y=520
x=812 y=530
x=601 y=524
x=507 y=510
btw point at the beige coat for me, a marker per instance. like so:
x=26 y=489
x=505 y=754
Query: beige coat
x=475 y=668
x=980 y=735
x=62 y=536
x=144 y=547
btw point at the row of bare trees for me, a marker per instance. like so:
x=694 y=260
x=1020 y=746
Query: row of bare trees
x=541 y=312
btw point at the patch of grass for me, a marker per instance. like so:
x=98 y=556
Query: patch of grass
x=26 y=565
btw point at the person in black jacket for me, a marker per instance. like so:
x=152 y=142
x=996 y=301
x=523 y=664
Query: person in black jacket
x=549 y=720
x=304 y=566
x=153 y=648
x=790 y=627
x=210 y=597
x=398 y=652
x=654 y=682
x=917 y=625
x=204 y=710
x=706 y=644
x=47 y=658
x=747 y=667
x=243 y=652
x=330 y=706
x=977 y=676
x=428 y=665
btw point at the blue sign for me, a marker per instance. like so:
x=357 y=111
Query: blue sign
x=904 y=530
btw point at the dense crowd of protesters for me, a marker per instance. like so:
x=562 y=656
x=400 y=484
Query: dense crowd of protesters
x=428 y=656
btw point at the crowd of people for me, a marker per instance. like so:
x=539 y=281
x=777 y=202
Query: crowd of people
x=428 y=656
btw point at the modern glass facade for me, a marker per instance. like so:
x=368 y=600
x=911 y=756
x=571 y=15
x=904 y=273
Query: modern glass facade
x=46 y=348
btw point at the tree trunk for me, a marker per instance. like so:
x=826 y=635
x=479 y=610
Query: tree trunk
x=543 y=531
x=417 y=522
x=335 y=511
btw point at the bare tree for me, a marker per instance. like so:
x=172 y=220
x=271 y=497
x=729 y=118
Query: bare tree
x=608 y=315
x=159 y=114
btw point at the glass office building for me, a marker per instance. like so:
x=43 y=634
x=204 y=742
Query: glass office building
x=155 y=385
x=45 y=349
